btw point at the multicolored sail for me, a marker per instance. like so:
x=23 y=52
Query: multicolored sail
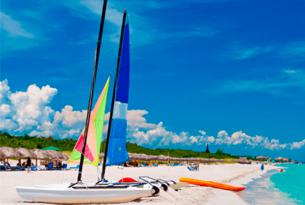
x=95 y=130
x=117 y=152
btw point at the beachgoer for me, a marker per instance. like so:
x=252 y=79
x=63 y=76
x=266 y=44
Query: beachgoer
x=28 y=164
x=59 y=165
x=262 y=167
x=19 y=163
x=18 y=166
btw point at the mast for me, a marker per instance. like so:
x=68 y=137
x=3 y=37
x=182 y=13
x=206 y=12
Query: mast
x=114 y=95
x=96 y=60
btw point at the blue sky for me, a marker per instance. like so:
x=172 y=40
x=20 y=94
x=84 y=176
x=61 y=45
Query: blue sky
x=195 y=65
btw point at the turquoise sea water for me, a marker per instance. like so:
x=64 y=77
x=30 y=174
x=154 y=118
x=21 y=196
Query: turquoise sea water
x=278 y=188
x=291 y=182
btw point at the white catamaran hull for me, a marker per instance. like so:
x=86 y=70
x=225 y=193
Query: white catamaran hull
x=63 y=195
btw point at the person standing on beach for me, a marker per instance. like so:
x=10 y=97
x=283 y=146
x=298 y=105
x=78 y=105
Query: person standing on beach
x=28 y=164
x=262 y=167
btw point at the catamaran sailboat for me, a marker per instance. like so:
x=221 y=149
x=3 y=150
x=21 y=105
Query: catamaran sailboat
x=89 y=143
x=85 y=194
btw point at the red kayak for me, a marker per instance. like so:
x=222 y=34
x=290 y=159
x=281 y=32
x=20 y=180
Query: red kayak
x=211 y=184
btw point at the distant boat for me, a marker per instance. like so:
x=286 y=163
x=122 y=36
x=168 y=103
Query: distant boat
x=88 y=145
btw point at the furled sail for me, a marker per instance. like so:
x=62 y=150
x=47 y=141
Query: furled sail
x=117 y=152
x=95 y=131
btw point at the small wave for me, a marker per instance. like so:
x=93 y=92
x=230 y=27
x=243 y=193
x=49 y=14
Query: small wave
x=262 y=191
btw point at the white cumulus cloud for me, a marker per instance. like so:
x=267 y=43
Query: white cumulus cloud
x=29 y=112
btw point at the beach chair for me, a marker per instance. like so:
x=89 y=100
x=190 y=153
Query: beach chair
x=20 y=168
x=13 y=168
x=50 y=166
x=193 y=168
x=2 y=168
x=75 y=167
x=64 y=166
x=34 y=168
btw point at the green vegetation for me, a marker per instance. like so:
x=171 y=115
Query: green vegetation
x=134 y=148
x=68 y=144
x=35 y=142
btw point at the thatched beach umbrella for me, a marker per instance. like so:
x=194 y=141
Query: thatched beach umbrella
x=39 y=154
x=53 y=154
x=135 y=156
x=23 y=153
x=153 y=157
x=57 y=155
x=8 y=152
x=63 y=156
x=141 y=156
x=164 y=158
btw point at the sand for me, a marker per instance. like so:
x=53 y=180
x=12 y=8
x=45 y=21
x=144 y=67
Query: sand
x=235 y=174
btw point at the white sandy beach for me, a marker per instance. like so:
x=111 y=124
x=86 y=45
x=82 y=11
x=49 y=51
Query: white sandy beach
x=235 y=174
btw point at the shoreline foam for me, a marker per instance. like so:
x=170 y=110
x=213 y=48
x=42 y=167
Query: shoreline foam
x=267 y=192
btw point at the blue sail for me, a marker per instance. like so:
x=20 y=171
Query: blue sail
x=117 y=152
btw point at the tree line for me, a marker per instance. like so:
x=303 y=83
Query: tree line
x=67 y=144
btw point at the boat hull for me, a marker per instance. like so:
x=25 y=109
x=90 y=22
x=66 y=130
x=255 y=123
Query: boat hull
x=63 y=195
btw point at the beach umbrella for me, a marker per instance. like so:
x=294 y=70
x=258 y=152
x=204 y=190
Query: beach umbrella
x=47 y=155
x=131 y=155
x=143 y=157
x=136 y=156
x=23 y=153
x=39 y=154
x=63 y=156
x=52 y=154
x=57 y=155
x=8 y=152
x=154 y=157
x=164 y=158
